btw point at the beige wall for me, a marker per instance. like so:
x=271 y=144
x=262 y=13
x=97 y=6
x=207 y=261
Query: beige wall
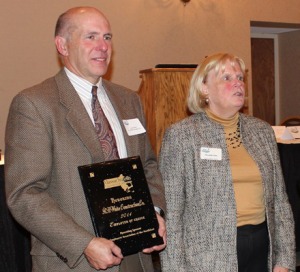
x=289 y=57
x=146 y=32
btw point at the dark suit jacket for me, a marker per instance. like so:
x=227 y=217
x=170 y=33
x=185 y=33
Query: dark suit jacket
x=48 y=135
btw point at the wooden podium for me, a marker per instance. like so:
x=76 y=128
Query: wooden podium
x=163 y=92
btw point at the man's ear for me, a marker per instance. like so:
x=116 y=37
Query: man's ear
x=61 y=45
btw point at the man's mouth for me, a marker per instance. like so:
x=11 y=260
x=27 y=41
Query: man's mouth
x=99 y=59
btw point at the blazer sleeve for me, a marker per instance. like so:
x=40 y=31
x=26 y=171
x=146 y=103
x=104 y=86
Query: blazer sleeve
x=171 y=164
x=284 y=240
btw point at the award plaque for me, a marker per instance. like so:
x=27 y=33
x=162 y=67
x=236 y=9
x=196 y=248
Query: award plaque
x=120 y=203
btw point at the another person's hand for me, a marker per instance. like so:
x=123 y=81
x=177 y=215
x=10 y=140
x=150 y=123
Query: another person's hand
x=280 y=269
x=102 y=253
x=162 y=232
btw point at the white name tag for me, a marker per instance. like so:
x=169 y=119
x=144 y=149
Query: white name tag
x=208 y=153
x=133 y=126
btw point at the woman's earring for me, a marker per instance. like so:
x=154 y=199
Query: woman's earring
x=206 y=101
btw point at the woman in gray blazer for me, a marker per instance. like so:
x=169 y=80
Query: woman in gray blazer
x=227 y=207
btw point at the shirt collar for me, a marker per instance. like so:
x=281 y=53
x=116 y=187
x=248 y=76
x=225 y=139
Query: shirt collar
x=81 y=85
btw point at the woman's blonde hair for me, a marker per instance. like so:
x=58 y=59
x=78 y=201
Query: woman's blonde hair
x=196 y=100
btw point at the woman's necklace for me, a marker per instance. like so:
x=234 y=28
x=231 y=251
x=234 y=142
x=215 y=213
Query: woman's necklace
x=233 y=139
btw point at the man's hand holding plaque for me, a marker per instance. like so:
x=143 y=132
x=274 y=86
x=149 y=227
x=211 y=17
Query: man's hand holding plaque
x=162 y=233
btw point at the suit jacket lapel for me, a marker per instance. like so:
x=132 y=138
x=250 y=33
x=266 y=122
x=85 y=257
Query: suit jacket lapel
x=77 y=116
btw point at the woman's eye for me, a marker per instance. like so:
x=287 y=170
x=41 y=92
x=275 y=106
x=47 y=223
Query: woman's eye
x=241 y=78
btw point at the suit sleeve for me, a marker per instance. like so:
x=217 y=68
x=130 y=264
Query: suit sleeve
x=28 y=170
x=152 y=172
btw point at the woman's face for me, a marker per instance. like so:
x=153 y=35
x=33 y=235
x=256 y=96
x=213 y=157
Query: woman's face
x=225 y=90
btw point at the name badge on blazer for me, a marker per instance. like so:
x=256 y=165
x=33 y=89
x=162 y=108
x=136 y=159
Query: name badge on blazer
x=208 y=153
x=133 y=126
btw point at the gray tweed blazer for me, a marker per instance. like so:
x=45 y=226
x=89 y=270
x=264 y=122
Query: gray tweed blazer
x=48 y=135
x=201 y=211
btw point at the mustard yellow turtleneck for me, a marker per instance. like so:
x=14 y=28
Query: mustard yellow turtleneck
x=247 y=181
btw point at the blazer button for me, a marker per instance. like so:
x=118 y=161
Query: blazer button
x=64 y=259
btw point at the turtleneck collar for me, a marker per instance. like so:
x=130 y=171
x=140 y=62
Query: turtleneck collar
x=228 y=122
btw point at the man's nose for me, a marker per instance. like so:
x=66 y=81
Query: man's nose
x=102 y=46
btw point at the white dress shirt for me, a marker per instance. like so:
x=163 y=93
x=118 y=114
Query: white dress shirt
x=84 y=90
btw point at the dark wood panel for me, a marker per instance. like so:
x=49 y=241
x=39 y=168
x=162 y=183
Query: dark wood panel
x=263 y=79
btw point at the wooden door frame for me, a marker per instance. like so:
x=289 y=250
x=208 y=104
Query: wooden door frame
x=276 y=71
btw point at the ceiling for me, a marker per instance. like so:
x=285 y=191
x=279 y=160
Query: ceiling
x=271 y=30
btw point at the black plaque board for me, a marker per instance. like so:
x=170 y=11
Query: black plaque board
x=120 y=203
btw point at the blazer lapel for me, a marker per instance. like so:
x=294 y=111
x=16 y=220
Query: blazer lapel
x=78 y=117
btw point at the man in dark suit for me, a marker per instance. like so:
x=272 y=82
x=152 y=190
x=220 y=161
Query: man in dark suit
x=51 y=131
